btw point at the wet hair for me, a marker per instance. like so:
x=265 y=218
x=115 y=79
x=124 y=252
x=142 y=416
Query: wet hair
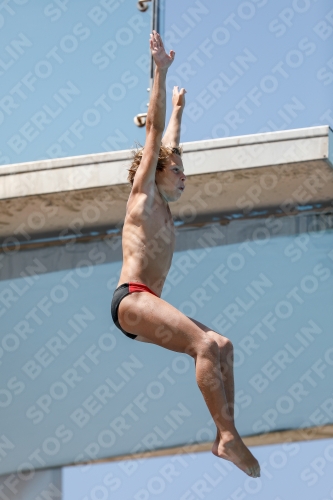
x=163 y=159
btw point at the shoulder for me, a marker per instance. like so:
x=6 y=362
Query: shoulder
x=140 y=201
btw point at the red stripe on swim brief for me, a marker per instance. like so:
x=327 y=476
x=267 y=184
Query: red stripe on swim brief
x=139 y=287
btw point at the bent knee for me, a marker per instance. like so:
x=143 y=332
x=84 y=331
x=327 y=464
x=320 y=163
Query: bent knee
x=225 y=343
x=227 y=350
x=228 y=345
x=208 y=345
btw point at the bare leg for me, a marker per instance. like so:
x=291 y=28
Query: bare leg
x=153 y=319
x=226 y=366
x=227 y=371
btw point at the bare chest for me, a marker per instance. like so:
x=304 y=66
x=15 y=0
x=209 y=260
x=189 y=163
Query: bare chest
x=159 y=228
x=152 y=228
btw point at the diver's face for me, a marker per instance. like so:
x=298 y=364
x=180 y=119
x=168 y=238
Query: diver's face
x=171 y=181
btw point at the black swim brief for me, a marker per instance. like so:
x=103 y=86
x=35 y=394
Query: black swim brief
x=119 y=294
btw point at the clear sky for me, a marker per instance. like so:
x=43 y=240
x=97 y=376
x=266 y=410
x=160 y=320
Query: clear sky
x=74 y=75
x=251 y=66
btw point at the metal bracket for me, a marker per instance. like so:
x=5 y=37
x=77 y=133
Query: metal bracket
x=142 y=5
x=140 y=119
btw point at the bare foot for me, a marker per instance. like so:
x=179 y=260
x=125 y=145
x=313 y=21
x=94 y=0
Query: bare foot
x=231 y=447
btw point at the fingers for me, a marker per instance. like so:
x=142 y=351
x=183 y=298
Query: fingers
x=158 y=43
x=157 y=40
x=182 y=91
x=153 y=42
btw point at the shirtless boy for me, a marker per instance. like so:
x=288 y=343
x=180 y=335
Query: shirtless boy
x=157 y=178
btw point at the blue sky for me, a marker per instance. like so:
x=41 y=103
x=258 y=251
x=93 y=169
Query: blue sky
x=73 y=85
x=286 y=50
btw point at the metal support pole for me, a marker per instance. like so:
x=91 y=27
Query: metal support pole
x=140 y=119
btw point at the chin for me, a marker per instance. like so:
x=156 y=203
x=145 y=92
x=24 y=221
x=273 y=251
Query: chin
x=171 y=196
x=176 y=196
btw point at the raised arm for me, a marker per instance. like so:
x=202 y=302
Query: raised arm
x=155 y=123
x=172 y=134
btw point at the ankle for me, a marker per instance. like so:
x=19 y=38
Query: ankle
x=228 y=434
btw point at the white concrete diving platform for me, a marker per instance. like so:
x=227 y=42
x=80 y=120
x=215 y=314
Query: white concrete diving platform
x=280 y=173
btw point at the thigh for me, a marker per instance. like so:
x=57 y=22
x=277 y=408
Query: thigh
x=156 y=321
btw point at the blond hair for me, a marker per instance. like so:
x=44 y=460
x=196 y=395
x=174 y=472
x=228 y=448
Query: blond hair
x=162 y=161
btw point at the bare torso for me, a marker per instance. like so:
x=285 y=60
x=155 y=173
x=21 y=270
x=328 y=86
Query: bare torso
x=148 y=240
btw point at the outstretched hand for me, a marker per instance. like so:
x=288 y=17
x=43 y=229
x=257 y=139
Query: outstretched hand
x=178 y=97
x=161 y=58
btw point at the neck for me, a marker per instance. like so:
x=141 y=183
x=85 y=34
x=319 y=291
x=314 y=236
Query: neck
x=164 y=200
